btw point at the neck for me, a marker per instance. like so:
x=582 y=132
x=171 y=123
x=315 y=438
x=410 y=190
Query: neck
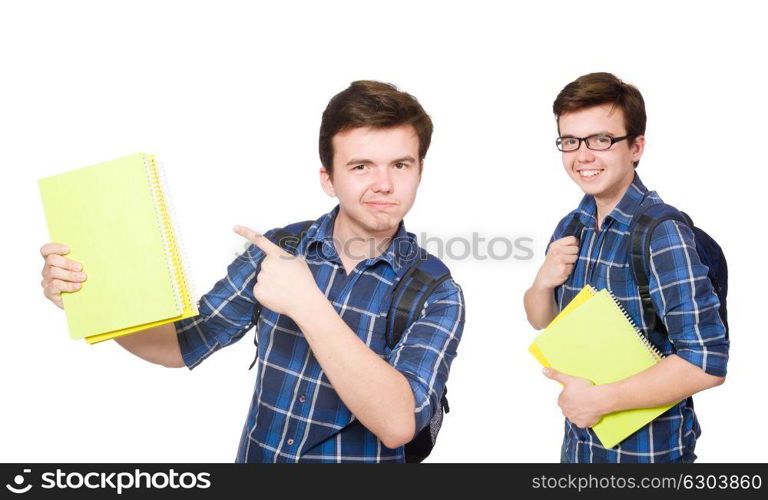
x=607 y=201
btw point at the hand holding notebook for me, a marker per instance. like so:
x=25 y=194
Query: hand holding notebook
x=594 y=339
x=579 y=400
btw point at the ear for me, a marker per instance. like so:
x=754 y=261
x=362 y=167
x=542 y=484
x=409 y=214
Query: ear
x=327 y=182
x=637 y=148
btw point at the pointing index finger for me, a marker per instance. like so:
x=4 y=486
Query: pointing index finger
x=258 y=239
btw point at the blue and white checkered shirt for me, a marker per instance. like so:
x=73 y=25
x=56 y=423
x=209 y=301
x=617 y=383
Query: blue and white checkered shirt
x=295 y=414
x=682 y=294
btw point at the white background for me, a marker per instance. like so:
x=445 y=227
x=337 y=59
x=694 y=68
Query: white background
x=229 y=96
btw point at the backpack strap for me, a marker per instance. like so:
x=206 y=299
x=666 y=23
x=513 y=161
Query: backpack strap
x=406 y=305
x=641 y=229
x=287 y=238
x=408 y=298
x=574 y=227
x=410 y=294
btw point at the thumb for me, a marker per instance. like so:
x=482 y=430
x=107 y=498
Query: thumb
x=553 y=374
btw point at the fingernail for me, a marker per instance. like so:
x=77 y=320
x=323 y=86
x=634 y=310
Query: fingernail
x=81 y=276
x=78 y=267
x=65 y=249
x=546 y=371
x=77 y=285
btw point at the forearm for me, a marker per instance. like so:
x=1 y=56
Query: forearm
x=540 y=306
x=671 y=380
x=157 y=345
x=378 y=395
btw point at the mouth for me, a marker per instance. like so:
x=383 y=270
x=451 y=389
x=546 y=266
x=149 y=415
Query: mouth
x=589 y=174
x=380 y=205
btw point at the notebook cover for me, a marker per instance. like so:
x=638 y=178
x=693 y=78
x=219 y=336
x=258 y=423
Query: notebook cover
x=107 y=215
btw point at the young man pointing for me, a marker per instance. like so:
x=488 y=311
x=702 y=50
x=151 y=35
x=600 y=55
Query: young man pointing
x=329 y=385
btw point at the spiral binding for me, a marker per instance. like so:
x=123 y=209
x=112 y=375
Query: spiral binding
x=170 y=234
x=189 y=285
x=655 y=354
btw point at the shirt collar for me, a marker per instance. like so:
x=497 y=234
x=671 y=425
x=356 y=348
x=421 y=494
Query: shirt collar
x=624 y=210
x=401 y=251
x=630 y=202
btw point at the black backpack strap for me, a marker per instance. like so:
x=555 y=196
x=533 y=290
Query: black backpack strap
x=287 y=238
x=574 y=227
x=408 y=298
x=406 y=305
x=641 y=229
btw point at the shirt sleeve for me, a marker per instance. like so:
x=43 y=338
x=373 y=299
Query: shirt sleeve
x=427 y=348
x=686 y=300
x=226 y=311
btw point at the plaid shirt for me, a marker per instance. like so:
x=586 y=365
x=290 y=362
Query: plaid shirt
x=682 y=294
x=295 y=414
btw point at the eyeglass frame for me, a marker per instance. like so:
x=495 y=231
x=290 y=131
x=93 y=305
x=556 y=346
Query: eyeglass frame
x=614 y=140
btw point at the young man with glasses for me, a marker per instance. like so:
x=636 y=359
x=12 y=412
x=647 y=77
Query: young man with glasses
x=601 y=126
x=329 y=386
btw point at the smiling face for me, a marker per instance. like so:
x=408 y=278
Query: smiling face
x=376 y=173
x=606 y=175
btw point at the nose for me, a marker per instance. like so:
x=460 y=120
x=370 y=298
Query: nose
x=584 y=154
x=382 y=181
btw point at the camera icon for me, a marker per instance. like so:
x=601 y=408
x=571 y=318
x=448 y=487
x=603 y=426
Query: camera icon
x=18 y=480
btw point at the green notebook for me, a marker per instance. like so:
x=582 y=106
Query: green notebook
x=598 y=341
x=115 y=219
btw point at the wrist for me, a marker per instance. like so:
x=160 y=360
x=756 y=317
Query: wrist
x=310 y=309
x=607 y=398
x=540 y=288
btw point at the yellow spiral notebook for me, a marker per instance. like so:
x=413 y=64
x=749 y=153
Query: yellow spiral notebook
x=594 y=338
x=116 y=220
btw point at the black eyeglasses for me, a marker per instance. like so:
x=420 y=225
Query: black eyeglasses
x=597 y=142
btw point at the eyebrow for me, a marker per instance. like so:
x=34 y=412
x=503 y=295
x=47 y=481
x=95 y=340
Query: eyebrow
x=405 y=159
x=605 y=132
x=362 y=161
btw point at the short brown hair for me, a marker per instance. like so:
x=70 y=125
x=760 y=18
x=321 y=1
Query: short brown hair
x=595 y=89
x=367 y=103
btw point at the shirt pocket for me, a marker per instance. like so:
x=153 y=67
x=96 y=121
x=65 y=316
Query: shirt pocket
x=619 y=278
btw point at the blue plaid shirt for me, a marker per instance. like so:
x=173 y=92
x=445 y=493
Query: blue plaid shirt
x=295 y=414
x=682 y=294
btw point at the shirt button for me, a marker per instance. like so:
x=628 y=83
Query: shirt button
x=302 y=399
x=290 y=442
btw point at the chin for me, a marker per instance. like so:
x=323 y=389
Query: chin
x=592 y=188
x=379 y=224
